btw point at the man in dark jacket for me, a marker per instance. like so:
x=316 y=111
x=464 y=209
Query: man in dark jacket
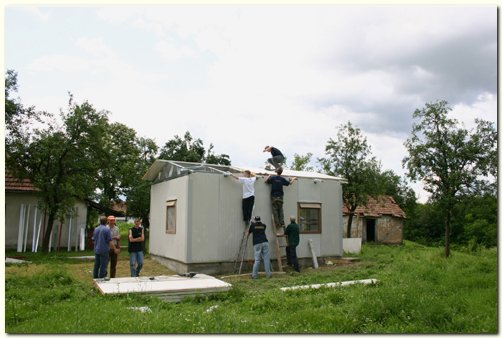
x=261 y=248
x=277 y=157
x=293 y=233
x=277 y=196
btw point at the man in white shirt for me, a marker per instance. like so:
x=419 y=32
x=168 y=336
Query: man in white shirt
x=247 y=194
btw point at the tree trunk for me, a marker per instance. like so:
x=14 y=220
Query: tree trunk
x=447 y=235
x=349 y=224
x=48 y=230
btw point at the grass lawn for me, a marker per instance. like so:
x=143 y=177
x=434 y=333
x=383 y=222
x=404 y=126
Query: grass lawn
x=419 y=292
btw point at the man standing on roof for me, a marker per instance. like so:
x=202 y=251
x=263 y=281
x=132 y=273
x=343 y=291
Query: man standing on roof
x=277 y=195
x=247 y=194
x=277 y=157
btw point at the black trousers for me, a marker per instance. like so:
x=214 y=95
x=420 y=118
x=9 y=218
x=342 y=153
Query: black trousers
x=291 y=257
x=247 y=208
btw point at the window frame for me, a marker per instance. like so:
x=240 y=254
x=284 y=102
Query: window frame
x=310 y=205
x=170 y=204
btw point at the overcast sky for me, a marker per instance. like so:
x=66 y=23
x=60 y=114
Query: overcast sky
x=245 y=76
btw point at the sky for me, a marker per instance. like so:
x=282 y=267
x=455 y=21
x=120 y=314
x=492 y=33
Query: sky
x=245 y=76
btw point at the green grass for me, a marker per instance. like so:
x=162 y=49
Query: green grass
x=419 y=292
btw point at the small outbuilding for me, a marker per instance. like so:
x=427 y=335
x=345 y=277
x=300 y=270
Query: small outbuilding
x=25 y=222
x=196 y=216
x=381 y=220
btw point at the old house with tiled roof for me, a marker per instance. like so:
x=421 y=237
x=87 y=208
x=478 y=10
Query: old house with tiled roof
x=25 y=222
x=381 y=220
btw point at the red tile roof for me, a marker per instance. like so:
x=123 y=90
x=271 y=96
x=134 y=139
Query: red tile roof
x=383 y=205
x=12 y=183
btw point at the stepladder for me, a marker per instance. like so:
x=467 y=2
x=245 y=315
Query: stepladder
x=239 y=260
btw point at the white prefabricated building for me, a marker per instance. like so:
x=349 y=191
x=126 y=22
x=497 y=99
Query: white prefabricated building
x=196 y=215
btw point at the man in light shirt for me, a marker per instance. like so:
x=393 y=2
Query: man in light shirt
x=114 y=253
x=247 y=181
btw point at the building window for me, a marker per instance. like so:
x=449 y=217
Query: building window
x=309 y=217
x=171 y=217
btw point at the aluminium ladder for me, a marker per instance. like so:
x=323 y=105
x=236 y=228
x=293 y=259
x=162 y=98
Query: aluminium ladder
x=242 y=251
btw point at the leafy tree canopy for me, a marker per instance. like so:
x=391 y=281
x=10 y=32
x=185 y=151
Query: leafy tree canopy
x=188 y=149
x=451 y=161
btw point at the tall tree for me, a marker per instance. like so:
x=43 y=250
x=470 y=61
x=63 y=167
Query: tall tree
x=17 y=131
x=302 y=163
x=61 y=160
x=189 y=150
x=397 y=187
x=213 y=158
x=349 y=156
x=183 y=149
x=447 y=158
x=117 y=172
x=138 y=194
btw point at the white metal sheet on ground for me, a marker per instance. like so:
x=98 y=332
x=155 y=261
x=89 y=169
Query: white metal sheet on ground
x=15 y=261
x=200 y=283
x=330 y=285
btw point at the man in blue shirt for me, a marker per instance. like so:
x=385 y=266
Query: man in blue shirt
x=102 y=239
x=277 y=195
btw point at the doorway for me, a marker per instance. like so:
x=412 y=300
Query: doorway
x=370 y=230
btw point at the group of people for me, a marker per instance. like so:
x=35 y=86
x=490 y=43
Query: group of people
x=257 y=228
x=106 y=239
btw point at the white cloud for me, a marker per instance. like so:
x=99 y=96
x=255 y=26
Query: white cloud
x=171 y=52
x=95 y=46
x=40 y=14
x=484 y=108
x=59 y=63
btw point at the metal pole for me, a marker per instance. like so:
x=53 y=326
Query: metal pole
x=20 y=233
x=26 y=228
x=38 y=234
x=69 y=233
x=34 y=230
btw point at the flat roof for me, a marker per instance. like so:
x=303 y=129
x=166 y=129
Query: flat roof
x=162 y=170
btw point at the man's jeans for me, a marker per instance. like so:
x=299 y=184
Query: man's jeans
x=136 y=262
x=261 y=251
x=100 y=264
x=276 y=161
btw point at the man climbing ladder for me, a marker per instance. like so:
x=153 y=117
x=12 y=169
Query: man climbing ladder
x=277 y=196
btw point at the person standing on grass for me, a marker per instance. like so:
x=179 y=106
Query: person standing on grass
x=114 y=253
x=260 y=246
x=293 y=233
x=277 y=196
x=247 y=194
x=102 y=239
x=135 y=247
